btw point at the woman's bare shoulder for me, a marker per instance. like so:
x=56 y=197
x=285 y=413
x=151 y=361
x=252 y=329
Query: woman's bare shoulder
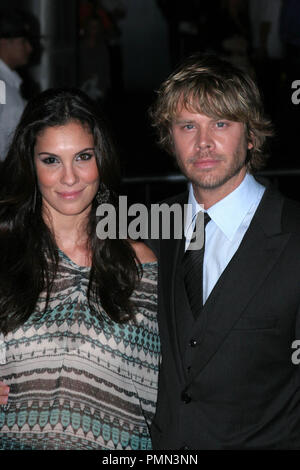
x=143 y=253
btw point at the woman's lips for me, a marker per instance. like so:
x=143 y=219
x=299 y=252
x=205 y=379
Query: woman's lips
x=70 y=194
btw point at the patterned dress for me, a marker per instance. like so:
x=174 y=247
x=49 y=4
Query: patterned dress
x=76 y=382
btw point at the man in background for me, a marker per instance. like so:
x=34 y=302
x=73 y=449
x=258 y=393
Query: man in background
x=15 y=51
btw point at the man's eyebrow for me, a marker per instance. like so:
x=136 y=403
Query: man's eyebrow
x=183 y=121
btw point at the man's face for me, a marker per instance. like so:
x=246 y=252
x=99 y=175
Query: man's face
x=18 y=51
x=210 y=152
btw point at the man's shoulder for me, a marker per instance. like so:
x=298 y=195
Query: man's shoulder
x=291 y=215
x=279 y=211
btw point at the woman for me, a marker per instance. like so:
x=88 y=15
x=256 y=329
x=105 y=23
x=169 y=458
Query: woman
x=80 y=347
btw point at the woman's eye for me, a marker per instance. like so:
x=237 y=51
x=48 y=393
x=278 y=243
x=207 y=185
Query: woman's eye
x=50 y=160
x=84 y=156
x=189 y=126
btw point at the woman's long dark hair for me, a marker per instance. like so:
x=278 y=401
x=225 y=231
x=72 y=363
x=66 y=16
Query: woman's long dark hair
x=28 y=251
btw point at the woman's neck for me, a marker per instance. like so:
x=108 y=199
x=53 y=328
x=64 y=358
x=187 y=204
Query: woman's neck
x=70 y=233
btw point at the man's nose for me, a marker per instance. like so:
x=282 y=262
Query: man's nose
x=204 y=139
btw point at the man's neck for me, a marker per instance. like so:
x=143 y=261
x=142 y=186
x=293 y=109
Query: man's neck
x=210 y=196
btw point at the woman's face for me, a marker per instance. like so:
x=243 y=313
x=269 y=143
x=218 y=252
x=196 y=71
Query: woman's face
x=66 y=168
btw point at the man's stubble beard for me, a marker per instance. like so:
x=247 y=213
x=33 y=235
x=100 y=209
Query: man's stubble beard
x=210 y=181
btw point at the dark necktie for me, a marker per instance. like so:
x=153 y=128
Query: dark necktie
x=193 y=273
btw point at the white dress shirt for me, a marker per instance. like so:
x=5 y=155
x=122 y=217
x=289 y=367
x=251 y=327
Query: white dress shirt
x=230 y=219
x=11 y=107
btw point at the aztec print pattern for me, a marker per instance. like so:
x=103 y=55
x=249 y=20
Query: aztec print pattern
x=77 y=382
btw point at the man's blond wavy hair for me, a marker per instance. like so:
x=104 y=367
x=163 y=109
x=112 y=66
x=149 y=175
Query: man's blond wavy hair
x=212 y=86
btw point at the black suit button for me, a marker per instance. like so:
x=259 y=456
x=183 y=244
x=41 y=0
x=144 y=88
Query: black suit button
x=184 y=448
x=193 y=343
x=186 y=398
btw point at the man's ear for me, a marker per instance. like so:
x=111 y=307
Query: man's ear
x=250 y=141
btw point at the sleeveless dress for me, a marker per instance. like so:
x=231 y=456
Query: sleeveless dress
x=77 y=382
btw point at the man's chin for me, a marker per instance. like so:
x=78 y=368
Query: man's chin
x=211 y=182
x=208 y=182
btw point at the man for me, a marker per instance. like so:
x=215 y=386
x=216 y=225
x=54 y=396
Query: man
x=15 y=50
x=228 y=379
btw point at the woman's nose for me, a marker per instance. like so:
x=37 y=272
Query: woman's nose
x=69 y=176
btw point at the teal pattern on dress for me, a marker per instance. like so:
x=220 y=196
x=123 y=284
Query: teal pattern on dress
x=77 y=382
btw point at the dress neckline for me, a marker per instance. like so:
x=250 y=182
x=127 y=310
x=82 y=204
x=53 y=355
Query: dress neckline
x=72 y=263
x=88 y=268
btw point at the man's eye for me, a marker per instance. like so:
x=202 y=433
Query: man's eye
x=221 y=124
x=189 y=126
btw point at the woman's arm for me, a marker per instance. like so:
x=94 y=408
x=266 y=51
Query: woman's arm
x=143 y=252
x=4 y=390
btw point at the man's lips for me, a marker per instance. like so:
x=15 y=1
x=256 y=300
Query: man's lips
x=206 y=162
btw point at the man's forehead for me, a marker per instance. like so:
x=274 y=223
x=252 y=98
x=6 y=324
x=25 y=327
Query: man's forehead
x=192 y=104
x=182 y=111
x=188 y=103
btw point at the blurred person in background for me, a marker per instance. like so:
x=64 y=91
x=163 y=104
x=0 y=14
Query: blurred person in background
x=290 y=35
x=235 y=32
x=96 y=31
x=267 y=51
x=116 y=11
x=191 y=29
x=15 y=51
x=94 y=60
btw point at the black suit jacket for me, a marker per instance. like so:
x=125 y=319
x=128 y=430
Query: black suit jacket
x=227 y=381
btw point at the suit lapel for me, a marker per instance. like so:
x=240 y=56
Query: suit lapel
x=170 y=259
x=254 y=259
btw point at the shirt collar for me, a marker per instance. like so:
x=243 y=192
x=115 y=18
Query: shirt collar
x=229 y=212
x=9 y=76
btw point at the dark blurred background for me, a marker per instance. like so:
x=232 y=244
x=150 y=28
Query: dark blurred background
x=119 y=51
